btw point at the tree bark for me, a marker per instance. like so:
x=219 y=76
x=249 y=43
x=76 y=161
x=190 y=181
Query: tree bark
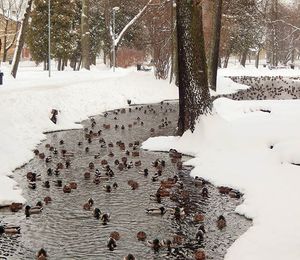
x=21 y=40
x=257 y=59
x=5 y=41
x=194 y=97
x=244 y=58
x=215 y=49
x=85 y=35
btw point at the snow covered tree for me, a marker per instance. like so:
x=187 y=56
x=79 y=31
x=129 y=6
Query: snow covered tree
x=194 y=97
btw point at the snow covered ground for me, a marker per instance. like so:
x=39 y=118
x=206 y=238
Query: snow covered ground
x=26 y=103
x=233 y=144
x=232 y=147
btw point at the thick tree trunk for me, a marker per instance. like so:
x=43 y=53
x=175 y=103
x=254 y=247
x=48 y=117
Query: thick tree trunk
x=85 y=37
x=215 y=49
x=59 y=64
x=194 y=97
x=21 y=39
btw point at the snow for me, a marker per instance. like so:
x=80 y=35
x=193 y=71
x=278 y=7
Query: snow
x=232 y=147
x=26 y=104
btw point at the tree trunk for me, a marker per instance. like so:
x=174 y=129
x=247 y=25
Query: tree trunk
x=21 y=39
x=215 y=49
x=85 y=37
x=257 y=59
x=59 y=64
x=79 y=63
x=194 y=97
x=5 y=41
x=244 y=58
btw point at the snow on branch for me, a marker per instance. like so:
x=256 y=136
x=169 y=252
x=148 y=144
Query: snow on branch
x=134 y=19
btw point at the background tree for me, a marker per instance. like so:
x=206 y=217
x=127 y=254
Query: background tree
x=85 y=35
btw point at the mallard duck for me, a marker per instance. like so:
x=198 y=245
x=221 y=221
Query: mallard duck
x=15 y=207
x=105 y=218
x=146 y=172
x=111 y=244
x=58 y=183
x=9 y=230
x=200 y=234
x=107 y=188
x=97 y=213
x=47 y=200
x=178 y=213
x=42 y=254
x=67 y=189
x=141 y=236
x=155 y=244
x=32 y=185
x=115 y=185
x=204 y=192
x=129 y=256
x=47 y=184
x=115 y=235
x=156 y=211
x=32 y=210
x=221 y=222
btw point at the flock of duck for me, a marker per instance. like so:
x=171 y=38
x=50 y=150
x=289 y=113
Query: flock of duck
x=266 y=87
x=107 y=170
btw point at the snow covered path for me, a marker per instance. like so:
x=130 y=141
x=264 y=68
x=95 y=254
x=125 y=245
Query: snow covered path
x=26 y=103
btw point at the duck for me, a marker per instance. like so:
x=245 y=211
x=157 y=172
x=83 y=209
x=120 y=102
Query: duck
x=9 y=230
x=129 y=257
x=97 y=213
x=115 y=235
x=141 y=236
x=179 y=213
x=67 y=189
x=204 y=192
x=167 y=243
x=49 y=172
x=47 y=184
x=107 y=188
x=32 y=185
x=111 y=244
x=47 y=200
x=200 y=234
x=15 y=207
x=87 y=175
x=115 y=185
x=73 y=185
x=32 y=210
x=221 y=222
x=58 y=183
x=89 y=204
x=155 y=244
x=42 y=254
x=105 y=218
x=146 y=172
x=156 y=211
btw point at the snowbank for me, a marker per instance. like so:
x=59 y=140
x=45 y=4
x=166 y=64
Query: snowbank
x=26 y=103
x=244 y=148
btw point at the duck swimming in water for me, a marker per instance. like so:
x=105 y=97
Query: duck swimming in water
x=221 y=222
x=129 y=257
x=42 y=254
x=111 y=244
x=155 y=244
x=9 y=230
x=105 y=218
x=32 y=210
x=97 y=213
x=157 y=211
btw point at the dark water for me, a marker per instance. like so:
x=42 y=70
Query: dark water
x=66 y=231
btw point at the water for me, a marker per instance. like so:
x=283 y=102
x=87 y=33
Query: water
x=66 y=231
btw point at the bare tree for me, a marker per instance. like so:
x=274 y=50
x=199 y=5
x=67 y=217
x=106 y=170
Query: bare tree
x=21 y=39
x=194 y=97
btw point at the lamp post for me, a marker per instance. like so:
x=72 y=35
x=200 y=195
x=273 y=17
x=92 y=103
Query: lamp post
x=49 y=37
x=114 y=10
